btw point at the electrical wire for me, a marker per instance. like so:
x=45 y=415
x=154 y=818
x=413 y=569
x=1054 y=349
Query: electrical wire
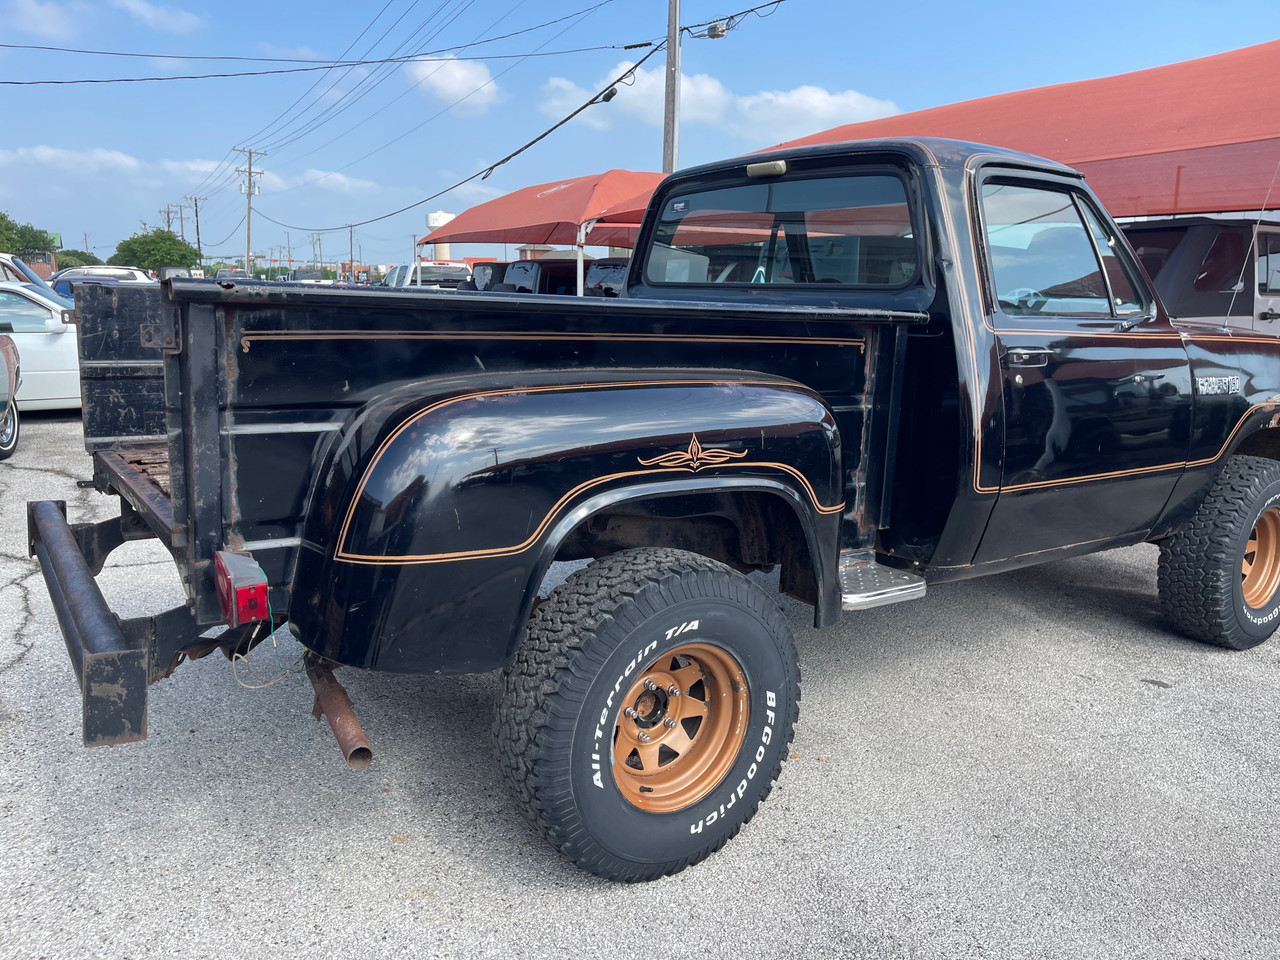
x=331 y=63
x=231 y=234
x=439 y=113
x=479 y=174
x=410 y=58
x=283 y=137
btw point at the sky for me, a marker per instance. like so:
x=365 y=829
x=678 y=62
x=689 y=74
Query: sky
x=100 y=162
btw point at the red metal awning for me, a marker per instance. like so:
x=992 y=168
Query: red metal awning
x=549 y=212
x=1193 y=137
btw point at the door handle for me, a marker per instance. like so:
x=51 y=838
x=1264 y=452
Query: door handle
x=1269 y=315
x=1026 y=357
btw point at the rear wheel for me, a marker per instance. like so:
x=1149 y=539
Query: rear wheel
x=648 y=711
x=1219 y=576
x=10 y=428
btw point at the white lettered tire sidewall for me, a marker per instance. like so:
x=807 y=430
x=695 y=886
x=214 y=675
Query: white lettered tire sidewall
x=1262 y=622
x=637 y=835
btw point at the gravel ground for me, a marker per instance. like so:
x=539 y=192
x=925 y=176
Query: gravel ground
x=1030 y=765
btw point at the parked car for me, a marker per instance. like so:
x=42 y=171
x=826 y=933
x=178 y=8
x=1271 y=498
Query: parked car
x=232 y=273
x=104 y=271
x=46 y=341
x=548 y=275
x=63 y=285
x=167 y=273
x=10 y=377
x=307 y=275
x=1203 y=269
x=430 y=274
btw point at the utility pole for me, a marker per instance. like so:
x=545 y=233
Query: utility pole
x=249 y=173
x=671 y=101
x=351 y=249
x=195 y=202
x=167 y=213
x=182 y=227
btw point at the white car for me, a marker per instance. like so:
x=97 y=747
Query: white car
x=105 y=272
x=47 y=343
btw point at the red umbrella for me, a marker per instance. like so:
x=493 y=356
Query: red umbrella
x=545 y=213
x=563 y=211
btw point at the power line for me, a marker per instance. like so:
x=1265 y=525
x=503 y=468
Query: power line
x=234 y=231
x=282 y=137
x=221 y=176
x=411 y=58
x=604 y=95
x=583 y=15
x=331 y=63
x=369 y=116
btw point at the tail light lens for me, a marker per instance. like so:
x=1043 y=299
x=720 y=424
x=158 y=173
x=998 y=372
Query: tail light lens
x=242 y=588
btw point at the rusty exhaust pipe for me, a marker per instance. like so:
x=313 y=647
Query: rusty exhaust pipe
x=334 y=705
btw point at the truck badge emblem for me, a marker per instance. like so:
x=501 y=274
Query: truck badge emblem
x=1216 y=386
x=695 y=458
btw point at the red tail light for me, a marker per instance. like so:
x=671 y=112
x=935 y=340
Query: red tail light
x=242 y=588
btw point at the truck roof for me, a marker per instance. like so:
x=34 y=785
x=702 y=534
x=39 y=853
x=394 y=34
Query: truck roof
x=936 y=150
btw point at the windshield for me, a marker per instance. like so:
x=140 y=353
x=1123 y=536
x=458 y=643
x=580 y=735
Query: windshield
x=308 y=273
x=430 y=274
x=32 y=277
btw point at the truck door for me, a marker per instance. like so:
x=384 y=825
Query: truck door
x=1095 y=385
x=1267 y=319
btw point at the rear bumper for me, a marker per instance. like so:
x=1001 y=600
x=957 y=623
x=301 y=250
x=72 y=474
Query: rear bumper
x=111 y=669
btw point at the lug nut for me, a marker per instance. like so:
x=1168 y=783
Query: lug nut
x=669 y=723
x=642 y=737
x=630 y=713
x=649 y=684
x=673 y=691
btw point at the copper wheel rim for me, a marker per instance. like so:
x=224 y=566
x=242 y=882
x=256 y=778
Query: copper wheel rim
x=1260 y=568
x=680 y=727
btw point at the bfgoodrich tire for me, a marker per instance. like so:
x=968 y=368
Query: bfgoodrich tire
x=648 y=711
x=1219 y=576
x=10 y=430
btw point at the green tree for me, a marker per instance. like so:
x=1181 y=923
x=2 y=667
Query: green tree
x=151 y=251
x=33 y=240
x=22 y=238
x=8 y=234
x=77 y=258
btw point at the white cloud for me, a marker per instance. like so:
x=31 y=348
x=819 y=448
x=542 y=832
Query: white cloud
x=466 y=85
x=332 y=180
x=289 y=53
x=159 y=18
x=765 y=117
x=93 y=161
x=53 y=21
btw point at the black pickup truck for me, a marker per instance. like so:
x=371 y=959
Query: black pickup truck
x=873 y=366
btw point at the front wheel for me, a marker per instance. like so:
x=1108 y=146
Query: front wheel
x=648 y=711
x=1219 y=576
x=10 y=428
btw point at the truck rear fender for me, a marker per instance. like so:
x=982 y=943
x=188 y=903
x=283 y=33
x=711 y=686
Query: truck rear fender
x=441 y=507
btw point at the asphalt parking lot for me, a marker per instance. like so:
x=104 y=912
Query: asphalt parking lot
x=1030 y=765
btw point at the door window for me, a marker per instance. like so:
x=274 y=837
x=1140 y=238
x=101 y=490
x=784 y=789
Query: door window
x=1269 y=264
x=23 y=315
x=1045 y=258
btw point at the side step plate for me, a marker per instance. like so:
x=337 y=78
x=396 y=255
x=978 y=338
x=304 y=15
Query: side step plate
x=865 y=583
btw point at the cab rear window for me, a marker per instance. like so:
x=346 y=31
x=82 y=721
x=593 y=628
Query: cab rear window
x=851 y=230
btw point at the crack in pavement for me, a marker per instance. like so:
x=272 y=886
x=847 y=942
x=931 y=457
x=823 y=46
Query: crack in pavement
x=27 y=618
